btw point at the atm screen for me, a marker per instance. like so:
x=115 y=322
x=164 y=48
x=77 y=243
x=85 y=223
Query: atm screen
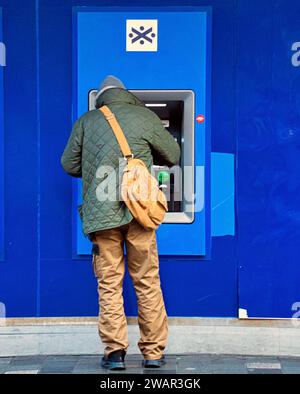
x=171 y=114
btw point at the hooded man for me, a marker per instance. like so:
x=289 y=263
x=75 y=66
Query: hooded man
x=93 y=153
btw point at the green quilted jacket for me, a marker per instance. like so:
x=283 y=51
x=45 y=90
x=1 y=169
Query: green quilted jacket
x=92 y=152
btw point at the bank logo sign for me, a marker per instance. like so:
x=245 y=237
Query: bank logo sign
x=141 y=35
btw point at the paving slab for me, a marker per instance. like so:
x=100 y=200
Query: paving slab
x=58 y=366
x=180 y=363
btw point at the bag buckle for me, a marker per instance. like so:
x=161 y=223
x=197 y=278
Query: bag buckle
x=129 y=157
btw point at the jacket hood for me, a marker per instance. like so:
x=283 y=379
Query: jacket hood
x=117 y=95
x=110 y=82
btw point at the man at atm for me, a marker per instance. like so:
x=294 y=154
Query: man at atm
x=109 y=224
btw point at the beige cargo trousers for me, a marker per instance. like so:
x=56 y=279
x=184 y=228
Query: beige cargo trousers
x=143 y=267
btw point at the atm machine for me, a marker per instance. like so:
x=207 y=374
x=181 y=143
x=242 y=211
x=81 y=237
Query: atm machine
x=163 y=57
x=175 y=108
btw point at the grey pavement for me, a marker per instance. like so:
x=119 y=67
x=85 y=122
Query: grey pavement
x=177 y=364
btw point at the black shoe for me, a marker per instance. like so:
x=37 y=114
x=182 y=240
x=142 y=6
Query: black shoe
x=154 y=363
x=114 y=361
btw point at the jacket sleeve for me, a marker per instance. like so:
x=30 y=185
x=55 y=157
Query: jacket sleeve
x=71 y=158
x=163 y=144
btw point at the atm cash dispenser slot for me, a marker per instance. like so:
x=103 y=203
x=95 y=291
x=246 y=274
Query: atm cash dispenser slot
x=176 y=110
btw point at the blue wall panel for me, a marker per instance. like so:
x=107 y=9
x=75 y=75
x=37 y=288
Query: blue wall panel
x=18 y=273
x=268 y=158
x=40 y=276
x=2 y=64
x=255 y=104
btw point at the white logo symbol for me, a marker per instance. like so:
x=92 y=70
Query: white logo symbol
x=141 y=35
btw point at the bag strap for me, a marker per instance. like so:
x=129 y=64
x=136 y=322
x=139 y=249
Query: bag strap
x=118 y=132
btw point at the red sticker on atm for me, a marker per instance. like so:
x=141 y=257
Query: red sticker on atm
x=200 y=118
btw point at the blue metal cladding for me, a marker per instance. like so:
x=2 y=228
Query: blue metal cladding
x=2 y=63
x=180 y=66
x=41 y=276
x=268 y=180
x=18 y=272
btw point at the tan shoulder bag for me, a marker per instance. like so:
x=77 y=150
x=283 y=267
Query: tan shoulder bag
x=139 y=189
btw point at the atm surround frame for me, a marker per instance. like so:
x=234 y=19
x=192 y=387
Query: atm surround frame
x=81 y=246
x=187 y=142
